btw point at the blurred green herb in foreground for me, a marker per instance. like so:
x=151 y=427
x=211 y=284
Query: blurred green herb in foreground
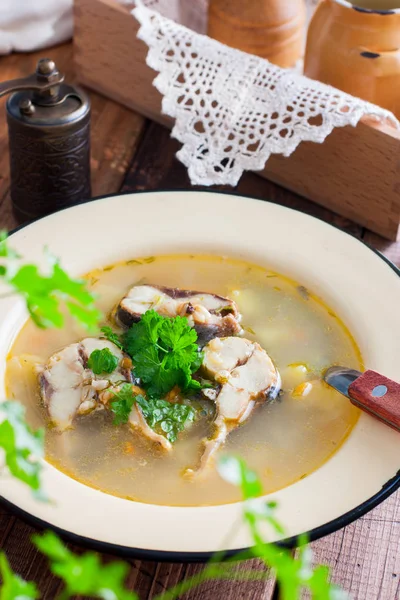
x=86 y=575
x=23 y=448
x=45 y=294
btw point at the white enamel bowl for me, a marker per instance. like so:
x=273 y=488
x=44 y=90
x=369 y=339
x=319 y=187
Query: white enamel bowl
x=358 y=283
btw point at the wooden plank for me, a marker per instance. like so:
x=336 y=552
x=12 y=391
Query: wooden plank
x=365 y=556
x=27 y=561
x=154 y=169
x=115 y=131
x=356 y=172
x=146 y=578
x=233 y=590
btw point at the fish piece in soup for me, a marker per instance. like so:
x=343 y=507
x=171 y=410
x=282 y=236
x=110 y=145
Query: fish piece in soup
x=211 y=315
x=69 y=387
x=246 y=377
x=137 y=420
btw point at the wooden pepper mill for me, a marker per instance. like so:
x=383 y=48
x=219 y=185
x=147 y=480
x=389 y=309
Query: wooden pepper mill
x=49 y=141
x=272 y=29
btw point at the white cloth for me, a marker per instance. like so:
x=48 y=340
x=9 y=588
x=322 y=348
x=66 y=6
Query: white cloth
x=27 y=25
x=232 y=110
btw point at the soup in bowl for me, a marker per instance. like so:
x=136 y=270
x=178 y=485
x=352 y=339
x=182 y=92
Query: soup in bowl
x=214 y=340
x=283 y=439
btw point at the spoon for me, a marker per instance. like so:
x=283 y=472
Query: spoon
x=369 y=391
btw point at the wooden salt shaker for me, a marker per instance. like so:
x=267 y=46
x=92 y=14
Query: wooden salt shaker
x=271 y=29
x=355 y=47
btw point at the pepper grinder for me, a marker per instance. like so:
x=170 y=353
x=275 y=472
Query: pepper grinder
x=49 y=140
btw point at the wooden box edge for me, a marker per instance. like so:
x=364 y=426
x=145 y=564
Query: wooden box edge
x=355 y=172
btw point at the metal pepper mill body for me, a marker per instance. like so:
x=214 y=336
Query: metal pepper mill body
x=49 y=140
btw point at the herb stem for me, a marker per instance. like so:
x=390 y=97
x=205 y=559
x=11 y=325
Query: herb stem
x=161 y=348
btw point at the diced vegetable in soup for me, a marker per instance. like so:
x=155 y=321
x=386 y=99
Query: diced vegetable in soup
x=198 y=356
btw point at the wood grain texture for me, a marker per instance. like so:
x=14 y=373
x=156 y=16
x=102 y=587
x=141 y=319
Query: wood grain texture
x=233 y=590
x=156 y=167
x=115 y=130
x=355 y=172
x=365 y=556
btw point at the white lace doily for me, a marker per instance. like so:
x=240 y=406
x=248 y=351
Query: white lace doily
x=232 y=110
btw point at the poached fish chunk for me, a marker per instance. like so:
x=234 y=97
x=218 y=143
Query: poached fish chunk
x=247 y=377
x=68 y=387
x=211 y=315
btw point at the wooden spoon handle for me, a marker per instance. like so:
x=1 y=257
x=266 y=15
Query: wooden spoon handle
x=378 y=396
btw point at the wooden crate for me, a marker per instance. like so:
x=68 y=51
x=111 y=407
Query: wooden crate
x=355 y=172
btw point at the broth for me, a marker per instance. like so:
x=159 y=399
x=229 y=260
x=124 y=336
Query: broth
x=283 y=441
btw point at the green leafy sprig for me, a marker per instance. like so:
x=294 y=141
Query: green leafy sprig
x=44 y=294
x=84 y=575
x=164 y=353
x=13 y=586
x=23 y=448
x=121 y=404
x=111 y=336
x=163 y=417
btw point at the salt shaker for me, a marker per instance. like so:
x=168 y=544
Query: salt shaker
x=272 y=29
x=49 y=141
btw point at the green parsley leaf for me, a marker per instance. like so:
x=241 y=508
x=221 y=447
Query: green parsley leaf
x=294 y=573
x=164 y=353
x=122 y=405
x=165 y=418
x=23 y=447
x=85 y=574
x=111 y=336
x=43 y=295
x=12 y=586
x=102 y=361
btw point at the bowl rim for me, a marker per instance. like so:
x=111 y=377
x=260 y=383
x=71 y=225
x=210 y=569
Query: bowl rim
x=389 y=488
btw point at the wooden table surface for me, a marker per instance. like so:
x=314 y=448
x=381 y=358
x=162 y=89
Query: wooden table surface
x=131 y=154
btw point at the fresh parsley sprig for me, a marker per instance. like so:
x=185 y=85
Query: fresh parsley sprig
x=294 y=574
x=102 y=361
x=14 y=587
x=84 y=575
x=122 y=403
x=164 y=353
x=23 y=448
x=165 y=418
x=111 y=336
x=44 y=294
